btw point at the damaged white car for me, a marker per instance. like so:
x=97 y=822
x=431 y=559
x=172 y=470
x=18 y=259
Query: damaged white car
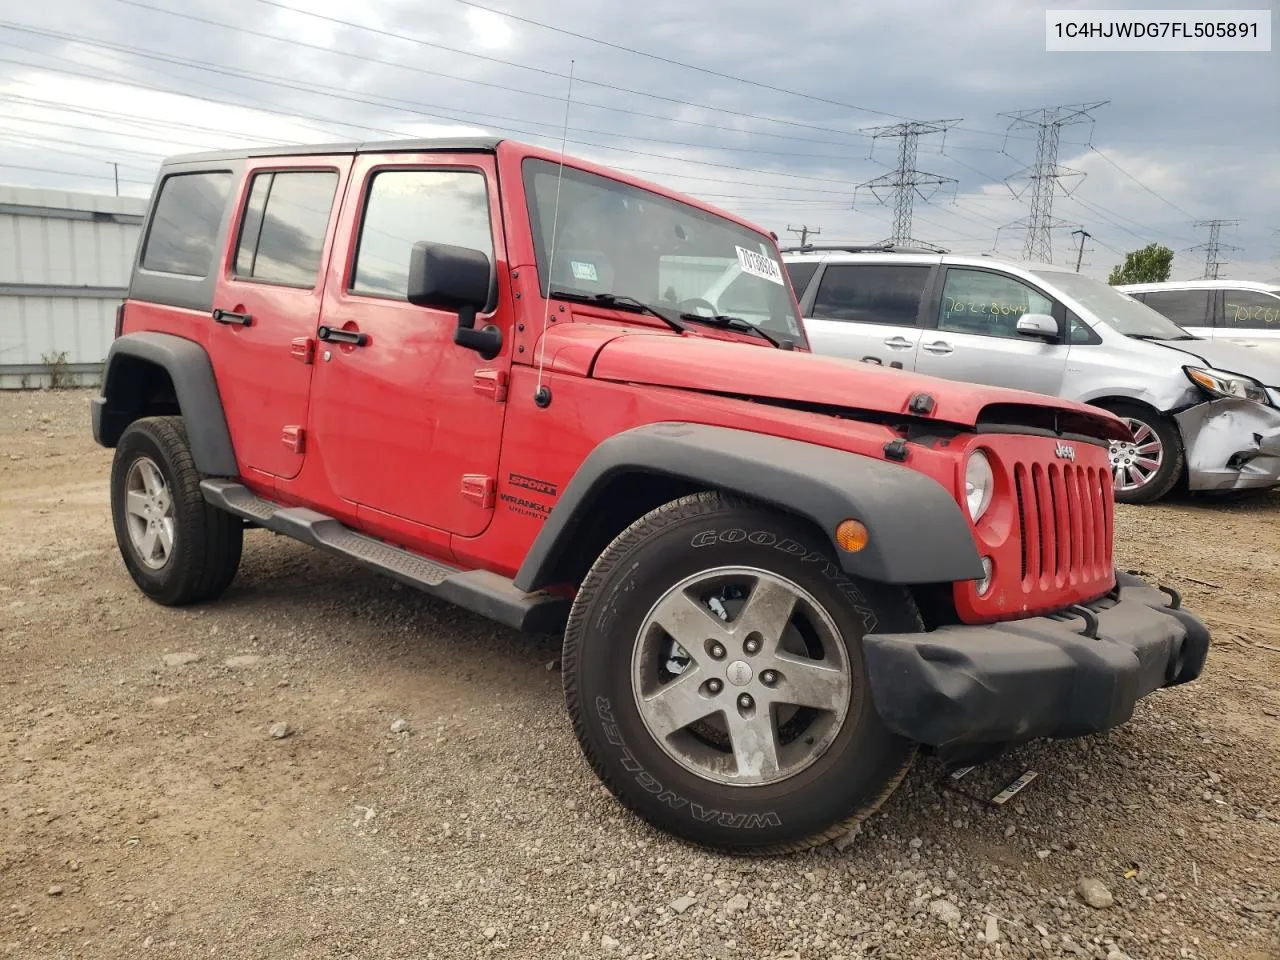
x=1205 y=412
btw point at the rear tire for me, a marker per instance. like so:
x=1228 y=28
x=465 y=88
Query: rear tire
x=177 y=548
x=1156 y=440
x=768 y=777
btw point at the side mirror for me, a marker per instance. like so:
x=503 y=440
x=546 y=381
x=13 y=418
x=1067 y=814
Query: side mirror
x=1041 y=326
x=446 y=277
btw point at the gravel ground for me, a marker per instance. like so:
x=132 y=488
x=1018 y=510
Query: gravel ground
x=323 y=764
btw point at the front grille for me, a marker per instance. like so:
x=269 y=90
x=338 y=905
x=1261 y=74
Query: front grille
x=1064 y=517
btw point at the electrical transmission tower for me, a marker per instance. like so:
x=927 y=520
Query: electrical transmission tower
x=906 y=183
x=1045 y=176
x=804 y=232
x=1213 y=246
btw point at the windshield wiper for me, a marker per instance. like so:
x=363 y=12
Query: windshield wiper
x=742 y=326
x=1152 y=336
x=619 y=302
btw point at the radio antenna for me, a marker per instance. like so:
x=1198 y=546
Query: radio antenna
x=542 y=395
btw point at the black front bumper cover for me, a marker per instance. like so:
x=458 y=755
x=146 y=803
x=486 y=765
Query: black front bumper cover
x=1010 y=682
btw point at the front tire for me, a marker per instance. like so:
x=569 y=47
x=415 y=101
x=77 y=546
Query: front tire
x=177 y=548
x=1144 y=470
x=713 y=672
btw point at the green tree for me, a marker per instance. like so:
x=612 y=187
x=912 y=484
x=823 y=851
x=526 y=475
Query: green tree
x=1151 y=264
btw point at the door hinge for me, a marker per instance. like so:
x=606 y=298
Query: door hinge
x=303 y=348
x=478 y=488
x=293 y=437
x=493 y=383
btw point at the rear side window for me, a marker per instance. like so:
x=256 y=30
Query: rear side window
x=1186 y=308
x=800 y=274
x=184 y=227
x=1250 y=310
x=284 y=227
x=408 y=206
x=989 y=304
x=871 y=294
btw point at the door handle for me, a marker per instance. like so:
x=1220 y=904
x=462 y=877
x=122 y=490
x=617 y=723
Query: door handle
x=938 y=346
x=335 y=335
x=230 y=316
x=898 y=343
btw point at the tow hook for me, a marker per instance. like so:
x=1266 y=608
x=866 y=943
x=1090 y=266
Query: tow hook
x=1175 y=598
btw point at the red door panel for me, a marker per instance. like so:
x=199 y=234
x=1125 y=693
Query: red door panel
x=406 y=425
x=268 y=297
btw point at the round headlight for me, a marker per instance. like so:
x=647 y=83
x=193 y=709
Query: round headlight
x=979 y=482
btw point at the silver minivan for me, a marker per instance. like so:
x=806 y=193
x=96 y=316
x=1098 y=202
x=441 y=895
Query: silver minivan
x=1202 y=411
x=1242 y=311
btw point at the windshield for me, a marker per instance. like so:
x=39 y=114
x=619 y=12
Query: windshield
x=617 y=239
x=1118 y=310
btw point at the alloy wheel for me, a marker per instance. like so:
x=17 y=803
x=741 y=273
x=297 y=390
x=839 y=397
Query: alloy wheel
x=149 y=513
x=741 y=676
x=1134 y=463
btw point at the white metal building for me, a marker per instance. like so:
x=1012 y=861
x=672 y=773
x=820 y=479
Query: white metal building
x=64 y=266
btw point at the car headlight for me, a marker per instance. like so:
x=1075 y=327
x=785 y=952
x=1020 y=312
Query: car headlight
x=1232 y=385
x=979 y=482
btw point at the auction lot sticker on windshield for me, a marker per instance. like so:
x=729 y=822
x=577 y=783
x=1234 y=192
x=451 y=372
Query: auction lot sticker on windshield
x=759 y=265
x=584 y=271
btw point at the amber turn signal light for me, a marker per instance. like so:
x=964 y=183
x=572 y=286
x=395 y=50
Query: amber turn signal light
x=851 y=536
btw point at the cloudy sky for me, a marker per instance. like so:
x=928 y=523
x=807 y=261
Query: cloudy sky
x=760 y=107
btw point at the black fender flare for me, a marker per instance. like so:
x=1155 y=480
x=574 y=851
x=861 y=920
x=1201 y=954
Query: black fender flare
x=917 y=532
x=195 y=387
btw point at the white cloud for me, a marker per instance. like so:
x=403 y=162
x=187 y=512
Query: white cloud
x=489 y=30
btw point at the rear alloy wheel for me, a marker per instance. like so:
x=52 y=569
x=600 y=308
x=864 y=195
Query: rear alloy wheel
x=177 y=548
x=713 y=671
x=1145 y=468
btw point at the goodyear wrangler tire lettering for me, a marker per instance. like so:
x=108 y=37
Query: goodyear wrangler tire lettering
x=857 y=763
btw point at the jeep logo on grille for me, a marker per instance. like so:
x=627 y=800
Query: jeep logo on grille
x=1066 y=451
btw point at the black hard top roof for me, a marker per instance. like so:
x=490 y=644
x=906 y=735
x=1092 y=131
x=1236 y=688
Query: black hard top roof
x=406 y=145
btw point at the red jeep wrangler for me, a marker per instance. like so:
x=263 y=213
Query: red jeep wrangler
x=563 y=398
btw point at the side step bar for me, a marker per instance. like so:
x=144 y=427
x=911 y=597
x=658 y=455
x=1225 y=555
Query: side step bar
x=479 y=591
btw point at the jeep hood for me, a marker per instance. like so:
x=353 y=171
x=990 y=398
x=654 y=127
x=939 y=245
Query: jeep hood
x=748 y=370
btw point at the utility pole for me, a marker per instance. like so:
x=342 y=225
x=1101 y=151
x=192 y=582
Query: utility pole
x=1213 y=246
x=1044 y=177
x=804 y=232
x=116 y=167
x=906 y=182
x=1080 y=253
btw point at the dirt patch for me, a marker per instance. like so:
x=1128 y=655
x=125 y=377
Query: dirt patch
x=146 y=809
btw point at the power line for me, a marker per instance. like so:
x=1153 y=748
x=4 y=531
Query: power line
x=675 y=63
x=131 y=119
x=200 y=65
x=277 y=81
x=72 y=173
x=906 y=183
x=109 y=133
x=466 y=53
x=1044 y=176
x=1140 y=183
x=387 y=132
x=395 y=133
x=33 y=142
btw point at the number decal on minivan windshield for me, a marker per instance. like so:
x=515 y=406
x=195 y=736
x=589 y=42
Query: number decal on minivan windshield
x=758 y=265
